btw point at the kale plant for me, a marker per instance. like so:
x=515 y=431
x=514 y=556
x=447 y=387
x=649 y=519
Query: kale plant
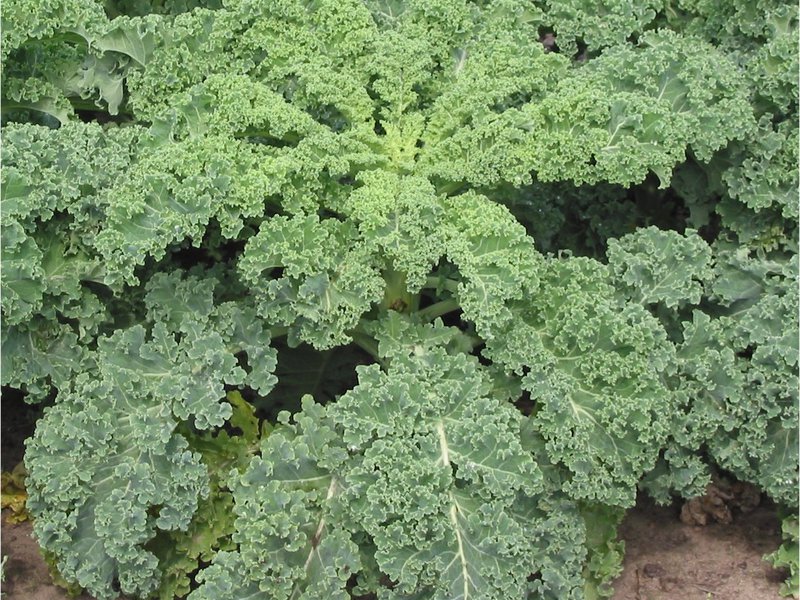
x=393 y=298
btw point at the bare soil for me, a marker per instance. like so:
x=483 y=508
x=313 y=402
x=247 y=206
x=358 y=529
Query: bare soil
x=664 y=560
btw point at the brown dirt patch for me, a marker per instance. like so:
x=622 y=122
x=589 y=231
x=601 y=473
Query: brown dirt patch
x=669 y=560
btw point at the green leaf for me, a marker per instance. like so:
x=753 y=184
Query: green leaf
x=787 y=556
x=41 y=355
x=294 y=557
x=593 y=369
x=181 y=553
x=112 y=445
x=22 y=274
x=319 y=295
x=660 y=266
x=605 y=555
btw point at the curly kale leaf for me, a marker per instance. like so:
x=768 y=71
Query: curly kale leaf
x=53 y=188
x=288 y=546
x=734 y=380
x=592 y=366
x=660 y=266
x=39 y=356
x=59 y=55
x=400 y=218
x=787 y=556
x=180 y=552
x=598 y=23
x=395 y=466
x=173 y=194
x=106 y=471
x=110 y=466
x=765 y=174
x=496 y=260
x=327 y=279
x=641 y=109
x=23 y=21
x=760 y=324
x=435 y=498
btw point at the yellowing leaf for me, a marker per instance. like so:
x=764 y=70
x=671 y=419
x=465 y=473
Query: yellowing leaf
x=13 y=494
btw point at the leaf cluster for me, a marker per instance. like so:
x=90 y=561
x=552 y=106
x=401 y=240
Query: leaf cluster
x=393 y=298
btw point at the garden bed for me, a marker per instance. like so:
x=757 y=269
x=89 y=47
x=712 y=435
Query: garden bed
x=665 y=559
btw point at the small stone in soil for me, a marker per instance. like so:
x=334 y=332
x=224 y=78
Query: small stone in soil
x=653 y=570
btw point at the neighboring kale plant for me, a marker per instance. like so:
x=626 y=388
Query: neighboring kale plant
x=271 y=268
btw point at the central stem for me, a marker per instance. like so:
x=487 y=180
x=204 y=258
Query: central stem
x=396 y=295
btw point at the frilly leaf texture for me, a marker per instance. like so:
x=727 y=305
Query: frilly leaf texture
x=397 y=460
x=528 y=258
